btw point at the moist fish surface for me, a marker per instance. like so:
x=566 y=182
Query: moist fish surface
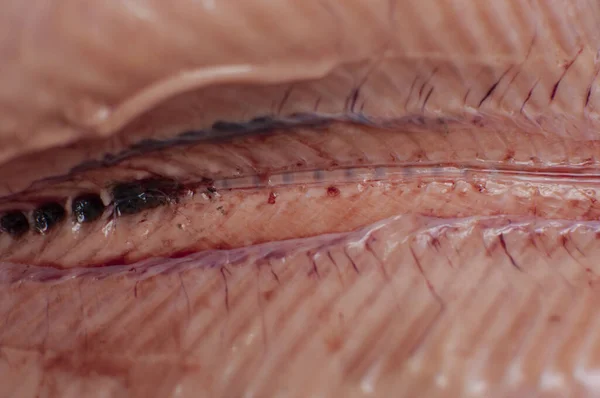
x=318 y=198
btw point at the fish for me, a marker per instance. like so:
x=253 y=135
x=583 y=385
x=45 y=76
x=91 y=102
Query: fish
x=316 y=198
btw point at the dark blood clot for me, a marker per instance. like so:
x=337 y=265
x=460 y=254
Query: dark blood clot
x=87 y=208
x=15 y=223
x=47 y=216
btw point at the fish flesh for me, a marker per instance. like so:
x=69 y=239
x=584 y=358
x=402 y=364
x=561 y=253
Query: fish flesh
x=318 y=198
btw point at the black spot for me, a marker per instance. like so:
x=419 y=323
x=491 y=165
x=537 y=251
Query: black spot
x=87 y=208
x=265 y=123
x=15 y=223
x=148 y=144
x=262 y=120
x=47 y=216
x=220 y=125
x=554 y=89
x=191 y=134
x=134 y=197
x=302 y=115
x=587 y=98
